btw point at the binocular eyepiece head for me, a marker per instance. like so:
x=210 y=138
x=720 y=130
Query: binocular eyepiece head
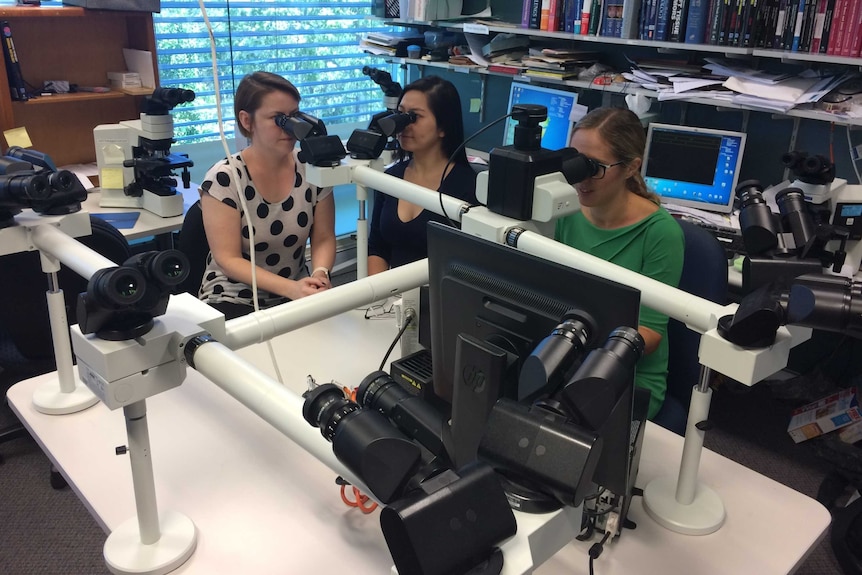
x=811 y=169
x=395 y=123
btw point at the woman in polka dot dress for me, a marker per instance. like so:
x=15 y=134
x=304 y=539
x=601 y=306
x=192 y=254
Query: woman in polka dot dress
x=285 y=210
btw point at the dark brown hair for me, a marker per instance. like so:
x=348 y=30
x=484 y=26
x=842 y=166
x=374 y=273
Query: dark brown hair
x=622 y=130
x=253 y=88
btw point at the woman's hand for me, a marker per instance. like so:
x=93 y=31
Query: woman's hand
x=307 y=286
x=322 y=274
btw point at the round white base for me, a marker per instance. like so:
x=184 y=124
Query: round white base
x=48 y=398
x=124 y=552
x=703 y=516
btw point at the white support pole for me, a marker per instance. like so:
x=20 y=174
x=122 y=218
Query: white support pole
x=413 y=193
x=269 y=399
x=71 y=395
x=84 y=261
x=147 y=544
x=261 y=326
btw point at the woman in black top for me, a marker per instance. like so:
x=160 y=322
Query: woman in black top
x=398 y=228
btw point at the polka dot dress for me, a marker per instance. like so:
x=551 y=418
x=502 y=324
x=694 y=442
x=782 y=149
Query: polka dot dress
x=281 y=230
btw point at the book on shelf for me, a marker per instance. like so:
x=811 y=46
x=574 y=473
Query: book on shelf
x=662 y=20
x=695 y=22
x=17 y=87
x=553 y=74
x=676 y=25
x=831 y=8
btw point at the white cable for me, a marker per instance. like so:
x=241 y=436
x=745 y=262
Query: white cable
x=241 y=195
x=854 y=156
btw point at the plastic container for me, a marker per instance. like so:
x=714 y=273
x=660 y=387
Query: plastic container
x=414 y=51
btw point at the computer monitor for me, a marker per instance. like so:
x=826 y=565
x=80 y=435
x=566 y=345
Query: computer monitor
x=557 y=129
x=693 y=167
x=486 y=295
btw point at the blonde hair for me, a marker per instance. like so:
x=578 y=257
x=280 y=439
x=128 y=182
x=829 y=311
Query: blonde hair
x=622 y=130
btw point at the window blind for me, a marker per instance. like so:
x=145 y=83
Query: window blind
x=314 y=44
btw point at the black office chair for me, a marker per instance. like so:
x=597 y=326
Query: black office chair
x=26 y=346
x=704 y=274
x=193 y=243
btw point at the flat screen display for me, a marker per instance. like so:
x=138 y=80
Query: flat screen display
x=557 y=129
x=693 y=167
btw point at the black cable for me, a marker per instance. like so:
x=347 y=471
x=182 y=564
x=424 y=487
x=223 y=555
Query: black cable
x=596 y=550
x=407 y=322
x=452 y=159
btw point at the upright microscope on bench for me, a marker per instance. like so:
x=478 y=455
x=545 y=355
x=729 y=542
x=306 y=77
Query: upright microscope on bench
x=136 y=166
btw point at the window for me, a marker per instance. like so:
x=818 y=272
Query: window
x=313 y=43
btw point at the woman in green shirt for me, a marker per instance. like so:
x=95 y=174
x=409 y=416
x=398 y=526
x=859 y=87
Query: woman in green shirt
x=621 y=221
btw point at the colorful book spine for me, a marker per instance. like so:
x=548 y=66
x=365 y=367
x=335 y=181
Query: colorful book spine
x=851 y=29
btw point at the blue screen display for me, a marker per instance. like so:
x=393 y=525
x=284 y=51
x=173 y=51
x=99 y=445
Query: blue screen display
x=557 y=128
x=693 y=166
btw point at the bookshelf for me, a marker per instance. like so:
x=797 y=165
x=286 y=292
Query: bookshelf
x=80 y=46
x=594 y=42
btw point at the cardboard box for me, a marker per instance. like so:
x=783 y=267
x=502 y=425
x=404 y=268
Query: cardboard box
x=838 y=410
x=129 y=5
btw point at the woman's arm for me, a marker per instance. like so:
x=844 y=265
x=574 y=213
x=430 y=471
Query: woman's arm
x=323 y=240
x=223 y=229
x=378 y=248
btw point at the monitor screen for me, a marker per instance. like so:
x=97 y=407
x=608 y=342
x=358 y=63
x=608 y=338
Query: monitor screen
x=557 y=129
x=493 y=296
x=693 y=167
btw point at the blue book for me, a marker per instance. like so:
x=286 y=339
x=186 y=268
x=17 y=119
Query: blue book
x=695 y=23
x=797 y=26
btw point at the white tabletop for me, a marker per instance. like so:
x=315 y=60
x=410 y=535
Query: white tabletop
x=148 y=223
x=263 y=505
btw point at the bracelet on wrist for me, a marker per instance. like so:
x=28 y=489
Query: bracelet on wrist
x=321 y=269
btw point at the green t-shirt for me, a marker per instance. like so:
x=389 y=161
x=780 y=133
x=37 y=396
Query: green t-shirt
x=652 y=247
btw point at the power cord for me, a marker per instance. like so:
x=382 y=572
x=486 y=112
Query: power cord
x=611 y=526
x=409 y=316
x=241 y=195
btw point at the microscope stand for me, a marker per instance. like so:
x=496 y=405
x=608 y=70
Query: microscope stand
x=147 y=544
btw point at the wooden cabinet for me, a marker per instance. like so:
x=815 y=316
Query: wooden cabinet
x=80 y=46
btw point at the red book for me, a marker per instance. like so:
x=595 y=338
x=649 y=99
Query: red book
x=851 y=31
x=856 y=40
x=839 y=20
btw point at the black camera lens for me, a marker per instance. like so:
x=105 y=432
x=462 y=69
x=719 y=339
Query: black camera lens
x=326 y=407
x=116 y=287
x=363 y=440
x=830 y=303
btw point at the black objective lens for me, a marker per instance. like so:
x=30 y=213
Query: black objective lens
x=116 y=287
x=760 y=231
x=795 y=216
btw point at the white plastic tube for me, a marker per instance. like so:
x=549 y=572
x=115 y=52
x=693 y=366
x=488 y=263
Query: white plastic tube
x=263 y=325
